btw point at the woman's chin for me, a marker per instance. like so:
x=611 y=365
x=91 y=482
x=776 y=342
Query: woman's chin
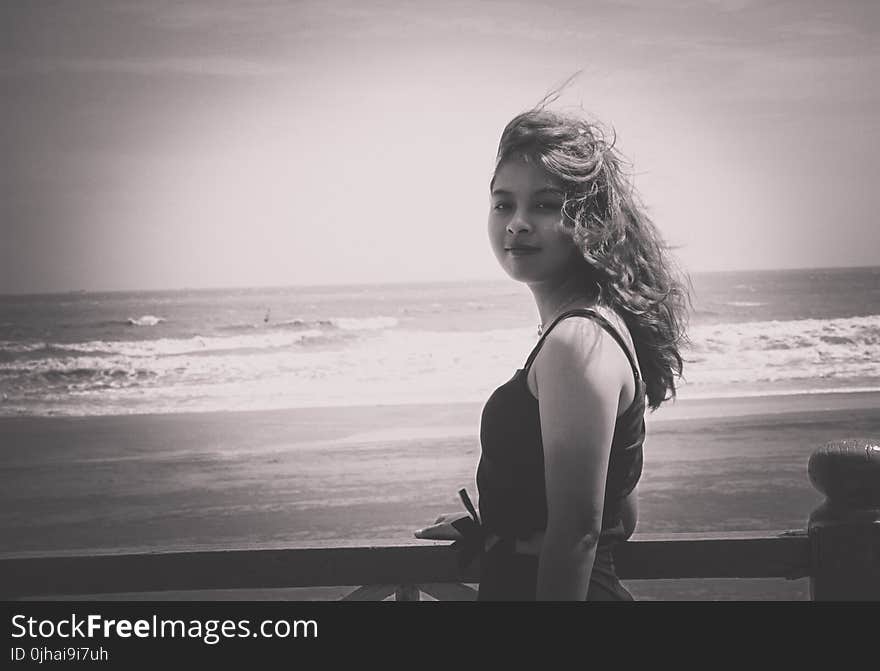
x=532 y=275
x=518 y=275
x=519 y=271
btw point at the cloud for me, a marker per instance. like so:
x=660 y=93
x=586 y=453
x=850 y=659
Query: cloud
x=208 y=66
x=726 y=6
x=818 y=28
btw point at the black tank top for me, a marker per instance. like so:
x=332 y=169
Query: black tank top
x=510 y=475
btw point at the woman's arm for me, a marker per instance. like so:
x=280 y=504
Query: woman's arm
x=579 y=377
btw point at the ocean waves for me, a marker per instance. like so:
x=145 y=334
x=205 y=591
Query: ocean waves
x=237 y=337
x=145 y=320
x=336 y=324
x=368 y=360
x=772 y=351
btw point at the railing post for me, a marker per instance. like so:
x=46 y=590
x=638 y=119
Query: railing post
x=407 y=593
x=845 y=530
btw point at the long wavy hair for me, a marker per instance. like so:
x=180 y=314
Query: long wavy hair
x=624 y=251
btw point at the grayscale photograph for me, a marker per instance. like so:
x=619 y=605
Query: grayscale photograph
x=463 y=301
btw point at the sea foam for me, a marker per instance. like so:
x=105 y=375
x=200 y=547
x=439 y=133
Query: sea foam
x=376 y=360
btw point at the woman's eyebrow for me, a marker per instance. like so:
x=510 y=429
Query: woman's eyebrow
x=541 y=191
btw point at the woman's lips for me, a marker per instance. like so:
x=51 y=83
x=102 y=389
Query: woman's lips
x=523 y=251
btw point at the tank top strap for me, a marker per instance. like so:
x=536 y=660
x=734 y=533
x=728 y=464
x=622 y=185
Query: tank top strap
x=602 y=321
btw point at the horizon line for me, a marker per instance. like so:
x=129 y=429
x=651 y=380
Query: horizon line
x=368 y=283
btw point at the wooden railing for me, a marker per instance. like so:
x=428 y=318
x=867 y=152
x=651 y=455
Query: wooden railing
x=839 y=551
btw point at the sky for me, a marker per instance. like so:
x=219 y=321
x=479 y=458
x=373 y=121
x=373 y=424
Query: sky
x=153 y=144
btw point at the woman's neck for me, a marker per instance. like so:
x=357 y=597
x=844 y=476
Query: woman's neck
x=554 y=298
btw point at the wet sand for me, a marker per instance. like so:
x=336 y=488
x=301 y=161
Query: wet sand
x=332 y=476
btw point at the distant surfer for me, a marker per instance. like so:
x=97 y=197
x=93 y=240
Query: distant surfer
x=266 y=318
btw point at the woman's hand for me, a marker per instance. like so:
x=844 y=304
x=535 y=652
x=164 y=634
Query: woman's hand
x=442 y=529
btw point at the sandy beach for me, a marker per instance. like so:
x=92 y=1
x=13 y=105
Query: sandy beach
x=364 y=474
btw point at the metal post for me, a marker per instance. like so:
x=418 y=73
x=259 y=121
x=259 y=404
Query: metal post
x=845 y=530
x=407 y=593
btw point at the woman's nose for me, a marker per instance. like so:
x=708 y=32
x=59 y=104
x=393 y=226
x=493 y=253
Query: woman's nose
x=518 y=224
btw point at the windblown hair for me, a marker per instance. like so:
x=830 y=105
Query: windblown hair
x=624 y=252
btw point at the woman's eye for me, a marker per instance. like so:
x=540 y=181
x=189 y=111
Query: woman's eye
x=500 y=207
x=547 y=205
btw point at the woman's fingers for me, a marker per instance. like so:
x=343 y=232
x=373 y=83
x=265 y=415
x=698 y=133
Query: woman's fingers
x=439 y=532
x=443 y=528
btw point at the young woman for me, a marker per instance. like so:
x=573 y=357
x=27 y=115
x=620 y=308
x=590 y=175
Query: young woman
x=562 y=440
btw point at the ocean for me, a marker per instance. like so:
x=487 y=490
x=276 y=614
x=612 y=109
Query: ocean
x=753 y=333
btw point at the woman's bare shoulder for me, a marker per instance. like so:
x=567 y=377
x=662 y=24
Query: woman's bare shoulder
x=572 y=343
x=583 y=332
x=584 y=349
x=615 y=319
x=575 y=331
x=619 y=323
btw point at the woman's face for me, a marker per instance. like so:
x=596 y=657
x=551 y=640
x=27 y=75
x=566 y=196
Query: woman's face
x=525 y=224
